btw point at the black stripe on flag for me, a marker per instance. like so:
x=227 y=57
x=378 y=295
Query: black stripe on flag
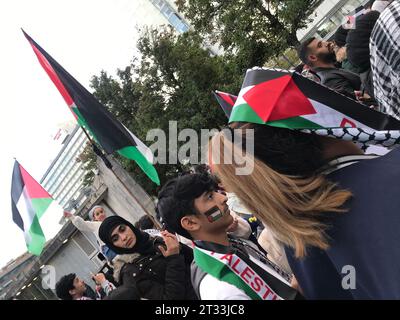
x=225 y=106
x=17 y=187
x=257 y=76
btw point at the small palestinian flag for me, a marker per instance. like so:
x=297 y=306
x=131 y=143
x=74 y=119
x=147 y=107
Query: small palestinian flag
x=29 y=201
x=213 y=214
x=226 y=101
x=288 y=100
x=93 y=116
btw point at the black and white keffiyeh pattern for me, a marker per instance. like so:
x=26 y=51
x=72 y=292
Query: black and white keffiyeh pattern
x=385 y=60
x=388 y=139
x=337 y=116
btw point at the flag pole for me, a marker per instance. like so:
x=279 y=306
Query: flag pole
x=108 y=164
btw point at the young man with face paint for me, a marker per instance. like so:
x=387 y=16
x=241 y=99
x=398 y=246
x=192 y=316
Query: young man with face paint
x=224 y=267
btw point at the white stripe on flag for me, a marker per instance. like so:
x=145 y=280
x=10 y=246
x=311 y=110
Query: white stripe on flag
x=330 y=118
x=27 y=213
x=143 y=149
x=242 y=92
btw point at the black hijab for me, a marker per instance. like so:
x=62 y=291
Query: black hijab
x=144 y=245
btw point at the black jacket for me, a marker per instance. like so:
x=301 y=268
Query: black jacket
x=367 y=84
x=155 y=277
x=358 y=41
x=342 y=81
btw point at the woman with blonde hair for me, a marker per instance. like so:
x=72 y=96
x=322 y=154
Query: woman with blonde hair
x=332 y=207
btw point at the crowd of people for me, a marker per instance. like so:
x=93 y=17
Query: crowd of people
x=361 y=61
x=312 y=208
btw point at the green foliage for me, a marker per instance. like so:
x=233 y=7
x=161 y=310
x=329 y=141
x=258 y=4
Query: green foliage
x=173 y=81
x=289 y=59
x=254 y=29
x=175 y=75
x=120 y=97
x=88 y=158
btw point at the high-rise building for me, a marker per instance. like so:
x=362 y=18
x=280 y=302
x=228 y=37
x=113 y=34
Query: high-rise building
x=169 y=10
x=64 y=177
x=157 y=12
x=327 y=17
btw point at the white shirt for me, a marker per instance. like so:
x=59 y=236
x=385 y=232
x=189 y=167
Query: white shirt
x=226 y=291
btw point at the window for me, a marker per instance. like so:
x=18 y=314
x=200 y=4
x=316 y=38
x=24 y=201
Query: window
x=166 y=11
x=177 y=22
x=84 y=244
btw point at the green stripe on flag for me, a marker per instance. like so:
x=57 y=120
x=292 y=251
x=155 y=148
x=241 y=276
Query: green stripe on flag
x=40 y=205
x=222 y=272
x=82 y=122
x=244 y=111
x=130 y=152
x=294 y=123
x=134 y=154
x=37 y=237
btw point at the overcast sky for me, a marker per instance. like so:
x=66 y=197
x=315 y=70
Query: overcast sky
x=84 y=36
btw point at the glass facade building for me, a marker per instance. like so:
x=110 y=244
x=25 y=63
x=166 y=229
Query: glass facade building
x=328 y=16
x=63 y=179
x=173 y=17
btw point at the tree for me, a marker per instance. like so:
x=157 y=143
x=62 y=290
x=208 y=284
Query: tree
x=172 y=81
x=177 y=75
x=88 y=158
x=254 y=30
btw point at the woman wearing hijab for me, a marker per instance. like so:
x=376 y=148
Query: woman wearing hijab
x=152 y=268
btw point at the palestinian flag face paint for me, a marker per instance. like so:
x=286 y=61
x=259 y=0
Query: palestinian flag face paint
x=213 y=214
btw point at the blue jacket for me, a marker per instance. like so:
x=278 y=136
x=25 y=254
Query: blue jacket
x=367 y=237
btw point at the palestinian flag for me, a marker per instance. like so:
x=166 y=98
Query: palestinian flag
x=226 y=101
x=93 y=116
x=29 y=201
x=213 y=214
x=288 y=100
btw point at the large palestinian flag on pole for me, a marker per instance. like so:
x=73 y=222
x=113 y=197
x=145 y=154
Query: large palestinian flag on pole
x=29 y=201
x=286 y=99
x=112 y=135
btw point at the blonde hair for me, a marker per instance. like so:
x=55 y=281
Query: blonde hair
x=290 y=206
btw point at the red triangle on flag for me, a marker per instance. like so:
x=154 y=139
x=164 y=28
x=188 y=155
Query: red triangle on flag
x=34 y=189
x=230 y=99
x=278 y=99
